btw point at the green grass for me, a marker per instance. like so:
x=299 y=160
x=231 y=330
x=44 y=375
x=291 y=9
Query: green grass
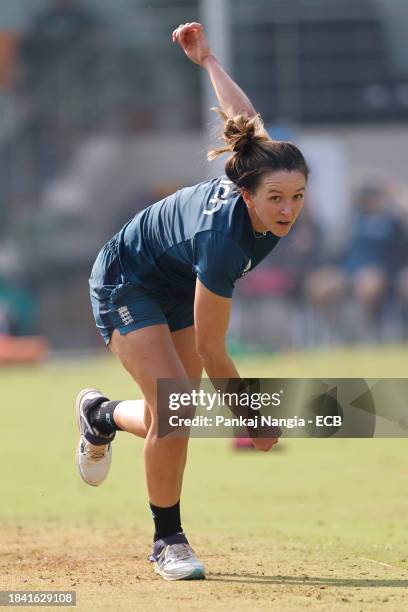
x=332 y=495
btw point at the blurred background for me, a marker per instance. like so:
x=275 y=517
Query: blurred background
x=101 y=115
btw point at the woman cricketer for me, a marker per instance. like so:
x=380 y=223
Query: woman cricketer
x=161 y=295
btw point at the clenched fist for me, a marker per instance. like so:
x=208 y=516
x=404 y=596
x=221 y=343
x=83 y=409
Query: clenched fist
x=193 y=42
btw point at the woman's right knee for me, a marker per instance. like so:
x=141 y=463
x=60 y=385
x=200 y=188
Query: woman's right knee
x=175 y=446
x=147 y=417
x=160 y=426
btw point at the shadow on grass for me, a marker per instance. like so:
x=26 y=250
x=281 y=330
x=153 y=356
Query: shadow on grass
x=309 y=581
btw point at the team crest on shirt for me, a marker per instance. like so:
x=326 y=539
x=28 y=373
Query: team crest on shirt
x=247 y=268
x=125 y=315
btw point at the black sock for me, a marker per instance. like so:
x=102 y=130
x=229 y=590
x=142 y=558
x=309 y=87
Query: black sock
x=166 y=520
x=101 y=417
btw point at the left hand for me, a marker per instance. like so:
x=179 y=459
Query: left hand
x=264 y=444
x=192 y=39
x=270 y=437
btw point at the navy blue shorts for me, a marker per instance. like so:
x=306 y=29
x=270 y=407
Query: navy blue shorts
x=126 y=306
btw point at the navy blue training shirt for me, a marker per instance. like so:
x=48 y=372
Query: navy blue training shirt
x=202 y=231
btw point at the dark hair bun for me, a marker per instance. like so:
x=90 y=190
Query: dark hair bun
x=252 y=152
x=239 y=132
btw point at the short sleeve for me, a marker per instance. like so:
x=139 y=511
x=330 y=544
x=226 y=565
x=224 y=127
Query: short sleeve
x=218 y=261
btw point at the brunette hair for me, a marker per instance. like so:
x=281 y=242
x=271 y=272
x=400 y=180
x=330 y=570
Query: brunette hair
x=253 y=152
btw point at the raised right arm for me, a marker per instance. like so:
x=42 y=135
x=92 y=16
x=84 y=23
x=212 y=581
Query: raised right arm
x=231 y=98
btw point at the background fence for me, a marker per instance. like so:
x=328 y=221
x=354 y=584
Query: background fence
x=102 y=115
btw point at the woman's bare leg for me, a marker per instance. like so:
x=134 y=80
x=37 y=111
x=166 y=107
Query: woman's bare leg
x=133 y=416
x=185 y=342
x=148 y=354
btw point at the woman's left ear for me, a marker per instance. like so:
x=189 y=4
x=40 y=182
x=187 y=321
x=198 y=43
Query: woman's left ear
x=246 y=196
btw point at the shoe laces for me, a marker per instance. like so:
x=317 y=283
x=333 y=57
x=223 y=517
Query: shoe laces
x=96 y=452
x=178 y=552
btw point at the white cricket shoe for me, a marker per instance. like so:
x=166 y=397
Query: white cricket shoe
x=94 y=452
x=174 y=559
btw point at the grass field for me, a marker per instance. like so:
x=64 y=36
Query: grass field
x=316 y=524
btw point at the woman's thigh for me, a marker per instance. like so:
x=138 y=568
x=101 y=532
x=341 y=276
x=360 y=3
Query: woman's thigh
x=150 y=353
x=185 y=343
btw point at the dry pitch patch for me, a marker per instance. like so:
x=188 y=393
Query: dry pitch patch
x=109 y=571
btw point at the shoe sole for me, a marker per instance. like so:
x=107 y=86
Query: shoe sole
x=78 y=416
x=196 y=574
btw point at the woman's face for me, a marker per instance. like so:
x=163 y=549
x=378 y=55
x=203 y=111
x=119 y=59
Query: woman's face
x=277 y=201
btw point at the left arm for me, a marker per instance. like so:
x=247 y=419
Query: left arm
x=211 y=317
